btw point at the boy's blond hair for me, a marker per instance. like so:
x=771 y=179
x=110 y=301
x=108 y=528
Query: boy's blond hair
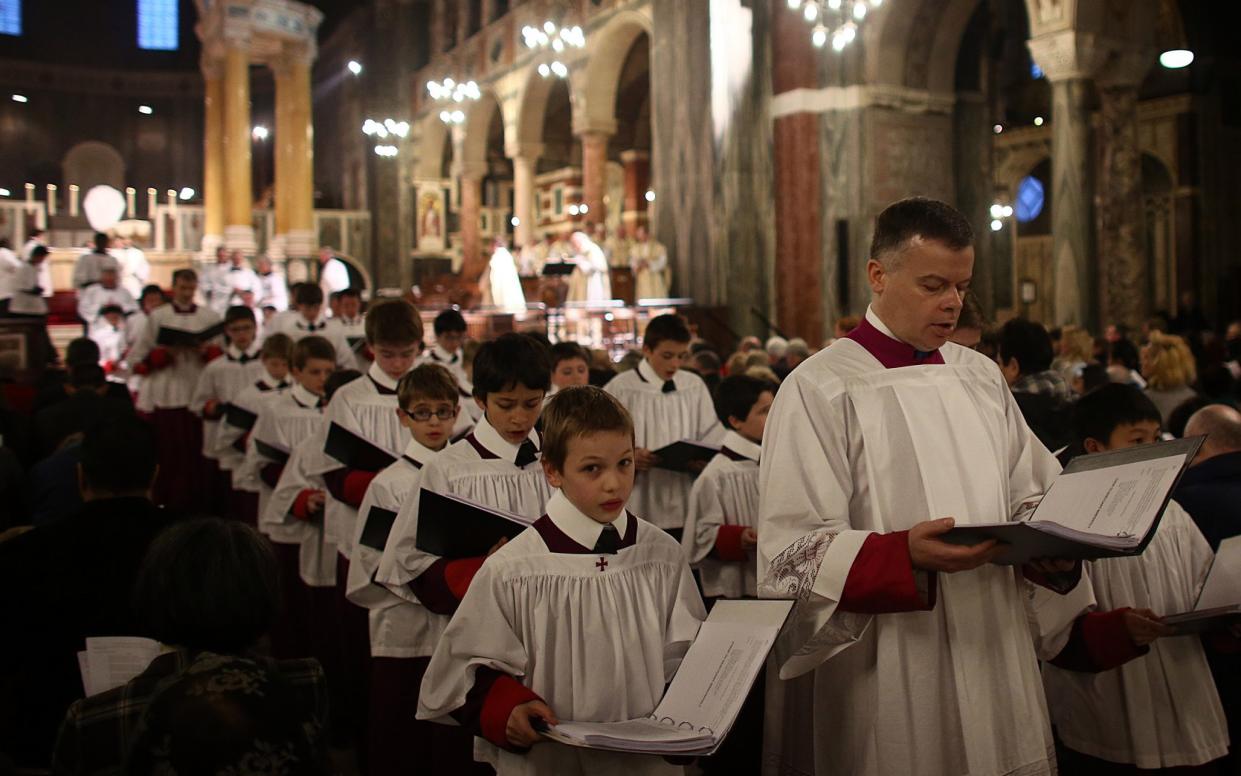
x=578 y=411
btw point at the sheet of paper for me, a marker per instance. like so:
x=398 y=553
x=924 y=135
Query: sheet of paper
x=84 y=668
x=1117 y=501
x=1223 y=583
x=113 y=660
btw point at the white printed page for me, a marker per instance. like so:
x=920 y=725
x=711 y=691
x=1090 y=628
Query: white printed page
x=1117 y=501
x=1223 y=583
x=113 y=660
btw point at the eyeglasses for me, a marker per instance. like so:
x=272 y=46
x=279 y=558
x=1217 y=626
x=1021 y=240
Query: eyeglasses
x=423 y=414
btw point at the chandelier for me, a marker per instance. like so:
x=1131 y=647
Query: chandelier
x=382 y=130
x=455 y=92
x=556 y=39
x=834 y=20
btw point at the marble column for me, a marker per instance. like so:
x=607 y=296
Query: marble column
x=1070 y=202
x=637 y=166
x=213 y=158
x=525 y=159
x=283 y=149
x=301 y=240
x=239 y=222
x=594 y=173
x=1124 y=282
x=975 y=193
x=473 y=259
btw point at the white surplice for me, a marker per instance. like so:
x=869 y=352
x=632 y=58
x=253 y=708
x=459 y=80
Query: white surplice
x=853 y=448
x=726 y=493
x=285 y=421
x=295 y=325
x=659 y=495
x=316 y=554
x=467 y=470
x=222 y=379
x=597 y=643
x=1160 y=710
x=361 y=409
x=173 y=386
x=224 y=442
x=398 y=627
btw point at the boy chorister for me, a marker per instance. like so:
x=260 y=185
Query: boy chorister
x=720 y=537
x=586 y=615
x=226 y=376
x=170 y=377
x=238 y=417
x=366 y=410
x=306 y=317
x=284 y=423
x=495 y=465
x=667 y=404
x=450 y=329
x=570 y=366
x=1160 y=709
x=347 y=323
x=402 y=634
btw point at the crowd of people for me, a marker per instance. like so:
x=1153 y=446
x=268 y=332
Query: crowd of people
x=247 y=489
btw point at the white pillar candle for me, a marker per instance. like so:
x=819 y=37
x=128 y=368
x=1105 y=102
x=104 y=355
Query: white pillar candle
x=73 y=199
x=151 y=204
x=51 y=199
x=30 y=196
x=130 y=209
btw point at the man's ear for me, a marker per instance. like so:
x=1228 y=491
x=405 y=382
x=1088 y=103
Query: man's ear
x=1092 y=445
x=876 y=275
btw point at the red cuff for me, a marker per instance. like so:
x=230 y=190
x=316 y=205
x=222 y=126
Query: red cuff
x=728 y=543
x=300 y=510
x=158 y=358
x=881 y=579
x=1107 y=640
x=506 y=694
x=142 y=368
x=354 y=488
x=458 y=574
x=211 y=353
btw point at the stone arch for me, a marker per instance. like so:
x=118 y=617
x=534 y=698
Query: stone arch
x=609 y=47
x=432 y=138
x=93 y=163
x=532 y=106
x=477 y=125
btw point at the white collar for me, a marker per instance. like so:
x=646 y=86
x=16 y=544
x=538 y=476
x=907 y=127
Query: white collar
x=443 y=356
x=235 y=352
x=873 y=317
x=300 y=322
x=576 y=525
x=491 y=439
x=647 y=372
x=418 y=451
x=742 y=446
x=381 y=377
x=270 y=381
x=305 y=397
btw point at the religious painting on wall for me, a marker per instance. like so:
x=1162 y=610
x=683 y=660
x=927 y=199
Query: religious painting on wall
x=430 y=219
x=13 y=352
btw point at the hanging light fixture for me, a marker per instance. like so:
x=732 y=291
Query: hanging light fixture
x=455 y=92
x=834 y=20
x=557 y=39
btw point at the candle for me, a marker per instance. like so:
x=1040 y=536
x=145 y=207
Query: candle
x=150 y=204
x=73 y=199
x=172 y=200
x=30 y=196
x=51 y=199
x=130 y=210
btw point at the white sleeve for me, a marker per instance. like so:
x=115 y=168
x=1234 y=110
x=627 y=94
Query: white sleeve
x=659 y=261
x=703 y=519
x=206 y=390
x=88 y=304
x=146 y=340
x=402 y=561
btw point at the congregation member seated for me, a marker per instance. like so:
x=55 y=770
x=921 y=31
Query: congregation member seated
x=88 y=401
x=1041 y=392
x=208 y=590
x=69 y=580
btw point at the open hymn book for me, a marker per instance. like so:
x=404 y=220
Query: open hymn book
x=702 y=703
x=110 y=661
x=1101 y=506
x=1219 y=602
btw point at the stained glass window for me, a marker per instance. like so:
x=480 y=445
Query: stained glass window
x=1029 y=199
x=10 y=17
x=157 y=25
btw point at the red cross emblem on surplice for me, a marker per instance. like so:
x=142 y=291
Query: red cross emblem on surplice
x=602 y=563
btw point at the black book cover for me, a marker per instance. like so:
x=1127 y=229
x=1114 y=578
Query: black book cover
x=179 y=338
x=378 y=525
x=454 y=528
x=559 y=269
x=271 y=453
x=678 y=456
x=240 y=417
x=355 y=452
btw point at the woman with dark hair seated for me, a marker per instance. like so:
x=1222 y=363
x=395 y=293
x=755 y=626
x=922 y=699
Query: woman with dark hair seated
x=208 y=590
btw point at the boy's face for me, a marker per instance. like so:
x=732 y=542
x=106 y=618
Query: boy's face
x=1144 y=432
x=276 y=367
x=241 y=334
x=151 y=301
x=350 y=306
x=395 y=359
x=667 y=357
x=513 y=411
x=598 y=474
x=571 y=371
x=450 y=340
x=313 y=377
x=430 y=421
x=752 y=426
x=310 y=311
x=114 y=319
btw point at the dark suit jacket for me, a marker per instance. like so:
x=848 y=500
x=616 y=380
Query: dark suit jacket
x=59 y=584
x=1211 y=493
x=75 y=414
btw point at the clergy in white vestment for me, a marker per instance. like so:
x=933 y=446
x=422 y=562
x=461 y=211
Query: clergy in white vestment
x=274 y=288
x=1159 y=710
x=89 y=264
x=502 y=277
x=590 y=281
x=135 y=269
x=914 y=655
x=333 y=274
x=585 y=616
x=238 y=284
x=648 y=259
x=108 y=292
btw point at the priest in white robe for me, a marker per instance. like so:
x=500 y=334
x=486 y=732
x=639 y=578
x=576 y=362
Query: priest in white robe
x=503 y=281
x=915 y=655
